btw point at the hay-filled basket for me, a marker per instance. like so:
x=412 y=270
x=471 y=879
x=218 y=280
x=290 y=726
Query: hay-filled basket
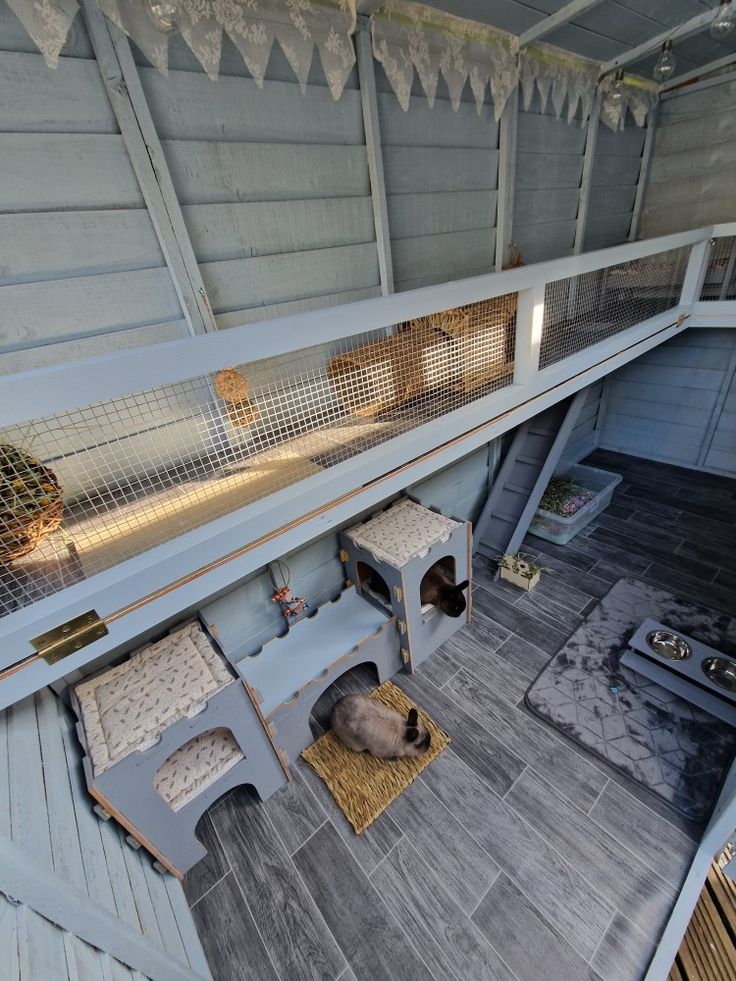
x=462 y=350
x=31 y=502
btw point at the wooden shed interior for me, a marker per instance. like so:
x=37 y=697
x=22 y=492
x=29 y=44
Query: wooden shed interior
x=304 y=304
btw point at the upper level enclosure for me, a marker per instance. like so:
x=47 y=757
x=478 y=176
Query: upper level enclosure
x=260 y=274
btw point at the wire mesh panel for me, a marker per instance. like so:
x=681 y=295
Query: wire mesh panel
x=586 y=309
x=82 y=491
x=720 y=276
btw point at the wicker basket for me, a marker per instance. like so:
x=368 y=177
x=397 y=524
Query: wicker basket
x=386 y=373
x=482 y=337
x=232 y=388
x=31 y=503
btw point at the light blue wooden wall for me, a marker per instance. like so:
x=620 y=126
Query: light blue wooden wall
x=615 y=177
x=549 y=168
x=81 y=269
x=441 y=170
x=45 y=811
x=693 y=174
x=273 y=184
x=677 y=403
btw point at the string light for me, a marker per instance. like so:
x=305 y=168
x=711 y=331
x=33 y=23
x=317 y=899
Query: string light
x=616 y=92
x=665 y=67
x=724 y=22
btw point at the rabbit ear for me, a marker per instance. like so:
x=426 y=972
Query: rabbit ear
x=463 y=585
x=412 y=718
x=410 y=734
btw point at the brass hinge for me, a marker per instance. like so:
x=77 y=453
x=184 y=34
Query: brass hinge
x=399 y=594
x=70 y=637
x=344 y=555
x=404 y=655
x=402 y=626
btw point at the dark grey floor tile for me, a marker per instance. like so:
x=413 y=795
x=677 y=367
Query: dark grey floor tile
x=549 y=611
x=371 y=939
x=657 y=557
x=716 y=557
x=564 y=575
x=448 y=940
x=294 y=812
x=589 y=608
x=288 y=920
x=651 y=837
x=520 y=622
x=711 y=529
x=624 y=953
x=619 y=511
x=463 y=867
x=523 y=656
x=369 y=848
x=610 y=573
x=563 y=552
x=484 y=575
x=229 y=937
x=618 y=875
x=510 y=680
x=570 y=902
x=527 y=942
x=598 y=551
x=643 y=491
x=645 y=532
x=212 y=867
x=439 y=666
x=322 y=708
x=708 y=593
x=537 y=744
x=572 y=594
x=347 y=975
x=491 y=759
x=364 y=678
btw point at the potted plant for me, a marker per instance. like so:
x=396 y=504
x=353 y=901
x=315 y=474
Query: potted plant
x=520 y=569
x=570 y=502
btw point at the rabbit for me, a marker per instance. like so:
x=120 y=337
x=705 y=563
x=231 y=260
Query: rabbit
x=437 y=589
x=367 y=726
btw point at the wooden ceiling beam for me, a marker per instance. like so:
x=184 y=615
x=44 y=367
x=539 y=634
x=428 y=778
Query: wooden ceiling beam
x=693 y=26
x=711 y=66
x=551 y=23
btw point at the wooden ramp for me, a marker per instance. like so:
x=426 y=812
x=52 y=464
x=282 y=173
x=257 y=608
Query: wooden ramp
x=708 y=949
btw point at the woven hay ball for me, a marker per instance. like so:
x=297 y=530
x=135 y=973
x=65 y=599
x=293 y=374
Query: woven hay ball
x=231 y=386
x=31 y=502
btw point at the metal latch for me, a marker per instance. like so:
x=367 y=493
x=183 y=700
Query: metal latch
x=70 y=637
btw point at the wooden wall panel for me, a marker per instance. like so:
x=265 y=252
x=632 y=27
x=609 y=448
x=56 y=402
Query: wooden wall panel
x=693 y=174
x=441 y=169
x=666 y=405
x=549 y=167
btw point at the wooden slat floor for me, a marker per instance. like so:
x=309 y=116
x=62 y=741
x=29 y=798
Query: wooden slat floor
x=516 y=855
x=708 y=949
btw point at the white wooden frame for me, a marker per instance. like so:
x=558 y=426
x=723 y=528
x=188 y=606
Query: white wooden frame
x=179 y=575
x=548 y=24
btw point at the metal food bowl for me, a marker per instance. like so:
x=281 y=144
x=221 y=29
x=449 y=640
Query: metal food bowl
x=720 y=671
x=669 y=645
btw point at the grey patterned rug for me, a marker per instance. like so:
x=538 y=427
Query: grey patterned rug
x=674 y=749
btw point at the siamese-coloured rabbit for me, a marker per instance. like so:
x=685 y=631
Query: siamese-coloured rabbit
x=367 y=726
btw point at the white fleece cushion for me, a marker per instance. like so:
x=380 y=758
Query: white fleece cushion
x=128 y=707
x=405 y=531
x=196 y=765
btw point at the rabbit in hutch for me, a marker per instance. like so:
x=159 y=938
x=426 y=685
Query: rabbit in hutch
x=437 y=589
x=367 y=726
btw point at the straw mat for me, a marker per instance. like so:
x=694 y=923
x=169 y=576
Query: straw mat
x=362 y=785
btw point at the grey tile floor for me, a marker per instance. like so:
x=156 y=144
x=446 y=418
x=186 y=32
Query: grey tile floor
x=515 y=855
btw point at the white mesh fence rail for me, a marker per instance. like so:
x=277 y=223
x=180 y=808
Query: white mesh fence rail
x=586 y=309
x=83 y=491
x=720 y=276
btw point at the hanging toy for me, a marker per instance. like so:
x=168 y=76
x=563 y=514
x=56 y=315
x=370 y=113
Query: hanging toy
x=291 y=606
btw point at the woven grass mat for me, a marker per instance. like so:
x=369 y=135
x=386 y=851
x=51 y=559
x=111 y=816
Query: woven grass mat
x=362 y=785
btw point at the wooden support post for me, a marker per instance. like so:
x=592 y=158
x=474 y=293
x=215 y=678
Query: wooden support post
x=586 y=183
x=369 y=103
x=25 y=880
x=506 y=176
x=695 y=273
x=125 y=92
x=644 y=170
x=529 y=323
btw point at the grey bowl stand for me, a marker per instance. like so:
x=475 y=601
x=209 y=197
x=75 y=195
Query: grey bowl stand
x=126 y=789
x=421 y=633
x=287 y=676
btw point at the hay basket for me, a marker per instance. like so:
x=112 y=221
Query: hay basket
x=384 y=374
x=31 y=502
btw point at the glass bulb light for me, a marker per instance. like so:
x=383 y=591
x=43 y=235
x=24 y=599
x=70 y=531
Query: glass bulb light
x=665 y=67
x=163 y=14
x=616 y=92
x=724 y=22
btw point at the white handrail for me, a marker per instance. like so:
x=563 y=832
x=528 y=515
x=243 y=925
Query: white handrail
x=59 y=388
